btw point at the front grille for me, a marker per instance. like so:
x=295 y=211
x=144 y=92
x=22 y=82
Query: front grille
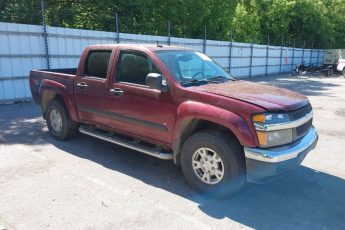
x=298 y=113
x=302 y=129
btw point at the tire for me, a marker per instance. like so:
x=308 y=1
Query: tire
x=232 y=159
x=293 y=73
x=59 y=124
x=344 y=72
x=329 y=72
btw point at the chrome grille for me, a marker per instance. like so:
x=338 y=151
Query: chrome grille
x=298 y=113
x=302 y=129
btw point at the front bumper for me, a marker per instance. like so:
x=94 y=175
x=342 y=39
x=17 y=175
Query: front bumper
x=266 y=164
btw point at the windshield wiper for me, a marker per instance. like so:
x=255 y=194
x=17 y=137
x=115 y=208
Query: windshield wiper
x=193 y=81
x=217 y=78
x=208 y=80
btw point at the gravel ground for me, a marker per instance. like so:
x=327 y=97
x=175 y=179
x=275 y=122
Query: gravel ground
x=86 y=183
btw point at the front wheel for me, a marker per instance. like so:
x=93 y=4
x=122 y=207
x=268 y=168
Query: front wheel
x=213 y=163
x=58 y=121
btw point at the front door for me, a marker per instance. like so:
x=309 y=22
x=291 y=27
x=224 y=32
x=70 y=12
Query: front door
x=133 y=106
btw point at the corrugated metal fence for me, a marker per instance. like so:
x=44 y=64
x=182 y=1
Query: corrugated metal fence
x=26 y=47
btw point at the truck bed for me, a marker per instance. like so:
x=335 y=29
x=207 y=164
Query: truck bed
x=71 y=71
x=63 y=76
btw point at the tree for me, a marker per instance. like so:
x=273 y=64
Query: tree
x=276 y=20
x=316 y=23
x=245 y=25
x=20 y=11
x=333 y=12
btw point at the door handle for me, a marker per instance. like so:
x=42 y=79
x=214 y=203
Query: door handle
x=116 y=92
x=82 y=85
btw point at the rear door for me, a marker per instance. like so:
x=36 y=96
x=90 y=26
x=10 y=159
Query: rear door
x=135 y=108
x=91 y=86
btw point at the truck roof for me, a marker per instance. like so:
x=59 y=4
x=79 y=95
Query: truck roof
x=153 y=47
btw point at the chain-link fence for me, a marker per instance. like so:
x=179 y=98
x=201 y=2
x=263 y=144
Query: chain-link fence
x=94 y=16
x=50 y=45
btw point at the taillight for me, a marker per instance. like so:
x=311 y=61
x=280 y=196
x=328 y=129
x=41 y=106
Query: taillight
x=34 y=81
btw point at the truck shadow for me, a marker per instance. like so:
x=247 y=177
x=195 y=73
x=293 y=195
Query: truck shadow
x=305 y=199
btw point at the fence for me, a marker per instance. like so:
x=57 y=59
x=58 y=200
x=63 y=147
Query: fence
x=26 y=47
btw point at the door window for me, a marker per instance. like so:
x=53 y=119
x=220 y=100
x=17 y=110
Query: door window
x=97 y=63
x=133 y=67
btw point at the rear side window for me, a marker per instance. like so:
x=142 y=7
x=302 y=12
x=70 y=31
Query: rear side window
x=97 y=63
x=133 y=67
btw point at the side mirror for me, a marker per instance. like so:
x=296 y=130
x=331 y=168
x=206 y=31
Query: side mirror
x=156 y=81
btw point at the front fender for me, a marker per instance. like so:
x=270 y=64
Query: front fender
x=49 y=86
x=190 y=110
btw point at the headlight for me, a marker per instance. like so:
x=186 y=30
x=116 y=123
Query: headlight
x=271 y=138
x=274 y=138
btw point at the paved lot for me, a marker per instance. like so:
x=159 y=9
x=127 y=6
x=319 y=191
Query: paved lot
x=86 y=183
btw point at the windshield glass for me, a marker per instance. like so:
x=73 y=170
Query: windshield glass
x=189 y=66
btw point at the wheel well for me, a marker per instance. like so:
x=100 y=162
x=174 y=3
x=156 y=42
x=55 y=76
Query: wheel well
x=47 y=96
x=192 y=126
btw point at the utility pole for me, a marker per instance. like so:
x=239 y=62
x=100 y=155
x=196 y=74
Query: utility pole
x=45 y=33
x=205 y=37
x=117 y=28
x=169 y=33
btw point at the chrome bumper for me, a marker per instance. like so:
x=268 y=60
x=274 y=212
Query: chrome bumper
x=264 y=164
x=282 y=153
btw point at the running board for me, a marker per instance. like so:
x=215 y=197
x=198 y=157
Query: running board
x=155 y=152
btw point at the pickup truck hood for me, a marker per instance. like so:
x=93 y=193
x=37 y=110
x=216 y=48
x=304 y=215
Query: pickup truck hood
x=266 y=96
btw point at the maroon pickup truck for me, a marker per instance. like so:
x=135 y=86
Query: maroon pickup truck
x=177 y=104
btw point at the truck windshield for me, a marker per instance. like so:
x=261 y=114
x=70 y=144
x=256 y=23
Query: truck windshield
x=192 y=67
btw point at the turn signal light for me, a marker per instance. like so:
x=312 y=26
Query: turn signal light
x=262 y=137
x=259 y=118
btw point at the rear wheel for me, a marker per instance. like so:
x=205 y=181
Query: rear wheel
x=213 y=163
x=59 y=124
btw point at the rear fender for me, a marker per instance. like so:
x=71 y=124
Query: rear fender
x=50 y=89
